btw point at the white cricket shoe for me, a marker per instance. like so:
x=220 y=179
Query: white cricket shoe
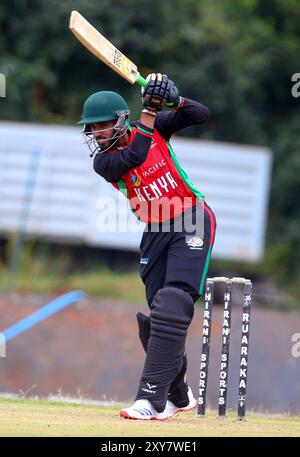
x=142 y=410
x=172 y=409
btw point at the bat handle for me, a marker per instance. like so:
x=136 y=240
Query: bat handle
x=141 y=81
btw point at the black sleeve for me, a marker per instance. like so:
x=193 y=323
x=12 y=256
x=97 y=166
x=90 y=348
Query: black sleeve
x=113 y=165
x=189 y=113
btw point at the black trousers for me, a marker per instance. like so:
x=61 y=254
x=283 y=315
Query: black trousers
x=178 y=257
x=173 y=266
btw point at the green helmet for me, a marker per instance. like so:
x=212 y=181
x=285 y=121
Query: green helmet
x=103 y=106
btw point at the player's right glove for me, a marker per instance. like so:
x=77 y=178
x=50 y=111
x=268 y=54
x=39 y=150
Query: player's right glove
x=156 y=94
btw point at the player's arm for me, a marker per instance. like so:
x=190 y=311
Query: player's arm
x=183 y=112
x=113 y=165
x=187 y=113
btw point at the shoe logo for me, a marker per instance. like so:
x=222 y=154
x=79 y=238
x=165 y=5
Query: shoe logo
x=143 y=412
x=151 y=386
x=195 y=242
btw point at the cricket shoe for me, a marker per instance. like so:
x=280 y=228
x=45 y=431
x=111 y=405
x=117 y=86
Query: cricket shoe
x=142 y=410
x=172 y=409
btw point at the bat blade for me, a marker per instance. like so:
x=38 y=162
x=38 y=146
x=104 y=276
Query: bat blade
x=98 y=45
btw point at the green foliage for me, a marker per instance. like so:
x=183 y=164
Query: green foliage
x=236 y=56
x=46 y=267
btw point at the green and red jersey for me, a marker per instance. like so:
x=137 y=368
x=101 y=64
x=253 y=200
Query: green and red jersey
x=147 y=170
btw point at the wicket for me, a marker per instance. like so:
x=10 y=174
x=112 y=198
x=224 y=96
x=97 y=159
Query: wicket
x=207 y=319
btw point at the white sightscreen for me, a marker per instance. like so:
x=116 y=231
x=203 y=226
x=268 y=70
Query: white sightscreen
x=48 y=188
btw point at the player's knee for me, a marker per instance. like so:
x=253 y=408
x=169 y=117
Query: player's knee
x=172 y=311
x=187 y=288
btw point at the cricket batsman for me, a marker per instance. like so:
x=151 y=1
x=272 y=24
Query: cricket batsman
x=137 y=159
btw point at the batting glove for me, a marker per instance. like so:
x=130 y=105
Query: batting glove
x=156 y=94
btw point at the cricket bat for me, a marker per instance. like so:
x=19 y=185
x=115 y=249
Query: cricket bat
x=98 y=45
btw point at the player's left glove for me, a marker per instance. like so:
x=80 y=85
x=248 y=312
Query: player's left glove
x=159 y=93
